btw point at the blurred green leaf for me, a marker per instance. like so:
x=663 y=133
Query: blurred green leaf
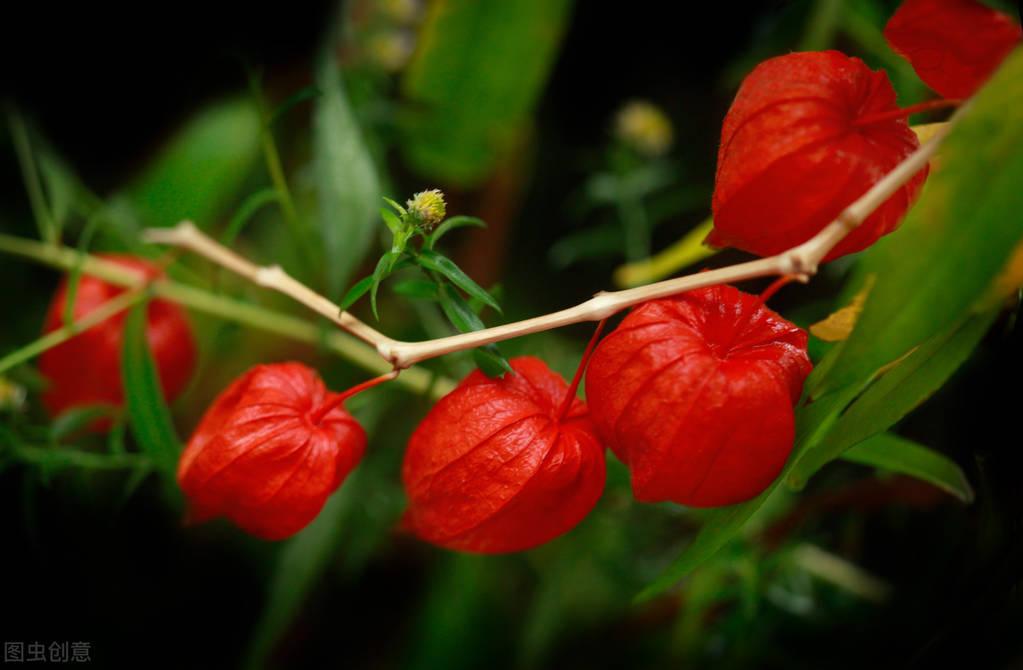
x=302 y=561
x=348 y=190
x=436 y=262
x=76 y=419
x=252 y=204
x=147 y=411
x=420 y=289
x=895 y=454
x=199 y=173
x=468 y=103
x=895 y=394
x=955 y=241
x=292 y=101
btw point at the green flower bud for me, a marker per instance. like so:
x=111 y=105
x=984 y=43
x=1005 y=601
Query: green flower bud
x=644 y=127
x=12 y=396
x=427 y=208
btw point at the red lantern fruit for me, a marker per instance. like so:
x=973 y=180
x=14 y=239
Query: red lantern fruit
x=954 y=45
x=270 y=450
x=86 y=370
x=807 y=134
x=502 y=465
x=695 y=395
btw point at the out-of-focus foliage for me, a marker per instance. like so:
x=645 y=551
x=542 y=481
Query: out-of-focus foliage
x=466 y=107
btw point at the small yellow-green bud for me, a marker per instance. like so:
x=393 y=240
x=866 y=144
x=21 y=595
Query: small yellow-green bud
x=644 y=127
x=12 y=396
x=427 y=208
x=391 y=49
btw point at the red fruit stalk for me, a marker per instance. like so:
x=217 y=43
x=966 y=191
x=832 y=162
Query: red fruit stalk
x=501 y=465
x=86 y=370
x=954 y=45
x=807 y=134
x=695 y=395
x=270 y=450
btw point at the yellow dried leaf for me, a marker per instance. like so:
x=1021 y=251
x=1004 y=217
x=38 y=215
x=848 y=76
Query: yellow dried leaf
x=839 y=324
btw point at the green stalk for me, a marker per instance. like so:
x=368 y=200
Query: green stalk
x=416 y=380
x=65 y=333
x=26 y=161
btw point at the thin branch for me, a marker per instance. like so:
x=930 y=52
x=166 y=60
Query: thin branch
x=801 y=261
x=414 y=379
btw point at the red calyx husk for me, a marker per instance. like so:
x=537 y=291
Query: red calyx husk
x=270 y=450
x=695 y=395
x=793 y=154
x=501 y=465
x=86 y=370
x=954 y=45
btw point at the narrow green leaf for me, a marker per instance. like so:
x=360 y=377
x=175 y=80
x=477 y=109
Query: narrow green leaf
x=895 y=394
x=348 y=191
x=357 y=290
x=76 y=419
x=433 y=261
x=397 y=206
x=391 y=220
x=380 y=273
x=419 y=289
x=30 y=174
x=488 y=358
x=201 y=170
x=147 y=411
x=292 y=101
x=252 y=204
x=893 y=453
x=451 y=224
x=301 y=562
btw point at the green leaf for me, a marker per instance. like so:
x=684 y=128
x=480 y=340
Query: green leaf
x=76 y=419
x=391 y=220
x=200 y=172
x=419 y=289
x=894 y=394
x=467 y=107
x=292 y=101
x=301 y=562
x=380 y=273
x=397 y=206
x=488 y=358
x=433 y=261
x=451 y=224
x=147 y=411
x=245 y=212
x=955 y=241
x=357 y=291
x=893 y=453
x=348 y=190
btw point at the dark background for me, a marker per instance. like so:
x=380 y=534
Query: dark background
x=108 y=84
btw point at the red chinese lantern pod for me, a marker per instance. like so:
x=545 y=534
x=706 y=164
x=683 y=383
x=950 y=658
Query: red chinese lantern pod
x=808 y=134
x=86 y=369
x=954 y=45
x=500 y=465
x=695 y=395
x=269 y=451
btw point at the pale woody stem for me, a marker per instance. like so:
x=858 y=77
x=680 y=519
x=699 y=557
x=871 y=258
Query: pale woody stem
x=801 y=261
